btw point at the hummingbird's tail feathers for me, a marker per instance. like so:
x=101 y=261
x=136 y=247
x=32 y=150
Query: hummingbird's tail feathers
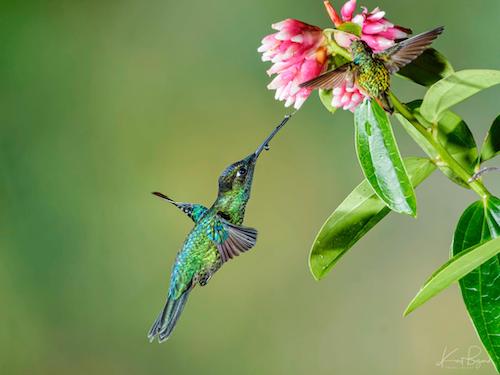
x=385 y=103
x=408 y=50
x=171 y=320
x=156 y=326
x=165 y=323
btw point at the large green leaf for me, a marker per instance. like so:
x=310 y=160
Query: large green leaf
x=453 y=133
x=380 y=159
x=356 y=215
x=428 y=68
x=481 y=287
x=455 y=88
x=491 y=144
x=453 y=270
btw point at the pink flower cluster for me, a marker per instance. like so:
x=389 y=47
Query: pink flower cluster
x=298 y=52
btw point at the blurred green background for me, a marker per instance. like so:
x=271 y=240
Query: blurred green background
x=102 y=102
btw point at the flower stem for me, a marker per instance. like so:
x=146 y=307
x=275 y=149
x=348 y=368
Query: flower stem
x=333 y=47
x=476 y=185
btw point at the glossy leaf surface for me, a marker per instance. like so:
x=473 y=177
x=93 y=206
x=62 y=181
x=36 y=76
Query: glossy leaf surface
x=356 y=215
x=430 y=67
x=380 y=159
x=481 y=287
x=491 y=144
x=453 y=270
x=455 y=88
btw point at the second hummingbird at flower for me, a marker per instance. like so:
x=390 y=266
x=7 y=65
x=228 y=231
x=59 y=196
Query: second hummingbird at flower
x=371 y=71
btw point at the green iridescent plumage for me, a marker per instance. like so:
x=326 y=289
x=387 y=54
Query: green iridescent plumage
x=216 y=238
x=371 y=71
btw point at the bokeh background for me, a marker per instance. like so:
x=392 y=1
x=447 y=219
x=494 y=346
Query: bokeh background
x=102 y=102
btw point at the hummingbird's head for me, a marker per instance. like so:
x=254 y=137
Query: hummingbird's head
x=235 y=182
x=359 y=49
x=239 y=175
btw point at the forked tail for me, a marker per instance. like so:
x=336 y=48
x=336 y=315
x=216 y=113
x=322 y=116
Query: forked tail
x=165 y=323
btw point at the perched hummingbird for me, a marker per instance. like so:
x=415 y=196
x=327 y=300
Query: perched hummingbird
x=217 y=236
x=371 y=71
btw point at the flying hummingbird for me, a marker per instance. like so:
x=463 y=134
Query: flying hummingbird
x=371 y=71
x=217 y=236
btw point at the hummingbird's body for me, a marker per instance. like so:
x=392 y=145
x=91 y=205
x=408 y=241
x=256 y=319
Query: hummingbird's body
x=199 y=258
x=372 y=75
x=372 y=71
x=217 y=236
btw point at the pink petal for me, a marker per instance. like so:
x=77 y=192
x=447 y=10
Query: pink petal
x=356 y=98
x=376 y=15
x=339 y=91
x=349 y=105
x=373 y=28
x=299 y=100
x=345 y=99
x=284 y=34
x=275 y=83
x=393 y=34
x=279 y=25
x=358 y=19
x=278 y=93
x=384 y=43
x=336 y=101
x=343 y=39
x=348 y=9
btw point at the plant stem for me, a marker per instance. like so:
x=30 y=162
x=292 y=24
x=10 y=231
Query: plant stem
x=333 y=47
x=476 y=185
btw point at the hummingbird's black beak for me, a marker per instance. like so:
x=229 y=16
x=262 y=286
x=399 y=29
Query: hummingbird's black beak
x=265 y=144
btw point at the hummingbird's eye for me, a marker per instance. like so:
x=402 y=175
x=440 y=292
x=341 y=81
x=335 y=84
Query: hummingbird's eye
x=241 y=172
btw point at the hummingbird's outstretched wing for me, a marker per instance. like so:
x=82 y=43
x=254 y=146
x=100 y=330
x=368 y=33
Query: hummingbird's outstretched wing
x=232 y=240
x=194 y=211
x=408 y=50
x=331 y=79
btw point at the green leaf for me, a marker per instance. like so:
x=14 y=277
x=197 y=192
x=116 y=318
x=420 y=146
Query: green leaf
x=453 y=270
x=479 y=223
x=326 y=97
x=453 y=133
x=350 y=27
x=428 y=68
x=455 y=88
x=356 y=215
x=380 y=159
x=491 y=144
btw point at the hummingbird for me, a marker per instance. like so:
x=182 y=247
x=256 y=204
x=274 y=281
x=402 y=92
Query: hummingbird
x=217 y=237
x=371 y=71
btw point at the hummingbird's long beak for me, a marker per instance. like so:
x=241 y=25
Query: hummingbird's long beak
x=265 y=144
